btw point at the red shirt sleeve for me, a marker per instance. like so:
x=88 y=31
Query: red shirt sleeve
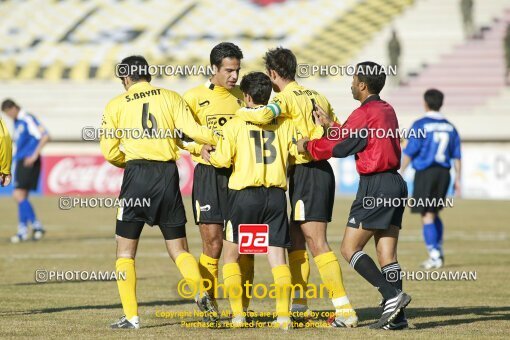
x=322 y=148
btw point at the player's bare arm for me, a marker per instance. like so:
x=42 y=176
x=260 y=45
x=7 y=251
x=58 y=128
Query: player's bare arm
x=301 y=144
x=457 y=164
x=29 y=161
x=405 y=163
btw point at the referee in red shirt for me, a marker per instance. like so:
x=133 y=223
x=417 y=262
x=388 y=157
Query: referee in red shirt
x=370 y=133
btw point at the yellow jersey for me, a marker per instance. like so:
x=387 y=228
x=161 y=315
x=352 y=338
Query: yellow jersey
x=295 y=102
x=145 y=123
x=259 y=153
x=212 y=106
x=5 y=149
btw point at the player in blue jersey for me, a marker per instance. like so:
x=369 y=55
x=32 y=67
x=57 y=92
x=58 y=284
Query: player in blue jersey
x=433 y=145
x=30 y=137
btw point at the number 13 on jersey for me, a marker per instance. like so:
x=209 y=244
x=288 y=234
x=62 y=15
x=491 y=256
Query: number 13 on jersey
x=265 y=152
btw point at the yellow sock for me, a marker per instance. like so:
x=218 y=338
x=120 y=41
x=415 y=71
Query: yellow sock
x=283 y=282
x=127 y=287
x=232 y=282
x=188 y=267
x=300 y=269
x=209 y=271
x=331 y=276
x=247 y=265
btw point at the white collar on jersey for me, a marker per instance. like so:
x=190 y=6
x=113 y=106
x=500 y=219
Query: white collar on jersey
x=434 y=115
x=21 y=114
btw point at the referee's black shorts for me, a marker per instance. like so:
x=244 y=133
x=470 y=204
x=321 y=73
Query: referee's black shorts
x=157 y=183
x=431 y=183
x=27 y=177
x=209 y=196
x=312 y=191
x=258 y=205
x=367 y=212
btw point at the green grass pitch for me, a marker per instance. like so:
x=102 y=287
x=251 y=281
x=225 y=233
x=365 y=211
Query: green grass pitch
x=476 y=239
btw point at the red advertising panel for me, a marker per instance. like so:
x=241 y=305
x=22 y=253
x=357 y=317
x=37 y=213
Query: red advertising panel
x=92 y=175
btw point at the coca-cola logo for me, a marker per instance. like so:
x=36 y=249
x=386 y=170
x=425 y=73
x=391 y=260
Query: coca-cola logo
x=91 y=174
x=85 y=175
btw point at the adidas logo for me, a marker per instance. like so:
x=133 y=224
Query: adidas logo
x=352 y=220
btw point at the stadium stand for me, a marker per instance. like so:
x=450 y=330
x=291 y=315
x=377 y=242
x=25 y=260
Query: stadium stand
x=495 y=106
x=343 y=38
x=83 y=40
x=470 y=74
x=61 y=63
x=423 y=40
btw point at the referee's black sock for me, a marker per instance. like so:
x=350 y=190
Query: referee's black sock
x=392 y=274
x=366 y=267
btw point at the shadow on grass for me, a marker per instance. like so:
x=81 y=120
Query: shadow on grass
x=176 y=323
x=458 y=315
x=451 y=316
x=51 y=239
x=61 y=282
x=94 y=307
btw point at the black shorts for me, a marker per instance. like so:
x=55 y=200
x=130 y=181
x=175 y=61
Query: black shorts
x=27 y=177
x=258 y=205
x=431 y=183
x=157 y=183
x=367 y=212
x=209 y=197
x=312 y=191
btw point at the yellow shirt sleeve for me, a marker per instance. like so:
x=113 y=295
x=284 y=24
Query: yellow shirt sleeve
x=110 y=144
x=5 y=150
x=191 y=101
x=192 y=147
x=185 y=121
x=225 y=149
x=264 y=114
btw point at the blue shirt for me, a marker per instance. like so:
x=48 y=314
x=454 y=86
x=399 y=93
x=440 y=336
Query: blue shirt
x=27 y=133
x=433 y=141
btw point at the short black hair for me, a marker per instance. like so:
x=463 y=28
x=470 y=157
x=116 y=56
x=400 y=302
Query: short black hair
x=283 y=61
x=258 y=86
x=434 y=99
x=8 y=103
x=137 y=68
x=372 y=74
x=224 y=50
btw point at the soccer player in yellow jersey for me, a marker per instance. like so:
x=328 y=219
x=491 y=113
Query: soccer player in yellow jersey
x=150 y=173
x=213 y=104
x=259 y=154
x=311 y=185
x=5 y=155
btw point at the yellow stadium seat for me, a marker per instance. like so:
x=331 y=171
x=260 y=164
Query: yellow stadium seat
x=80 y=71
x=7 y=69
x=29 y=70
x=54 y=71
